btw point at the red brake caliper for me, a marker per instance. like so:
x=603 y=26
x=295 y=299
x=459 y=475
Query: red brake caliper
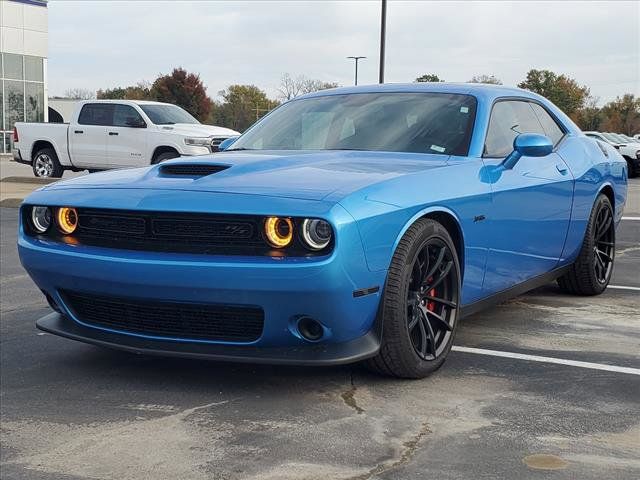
x=431 y=305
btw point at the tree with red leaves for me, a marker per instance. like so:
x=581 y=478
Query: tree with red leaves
x=183 y=89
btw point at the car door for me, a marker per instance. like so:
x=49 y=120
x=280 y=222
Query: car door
x=88 y=137
x=127 y=137
x=531 y=203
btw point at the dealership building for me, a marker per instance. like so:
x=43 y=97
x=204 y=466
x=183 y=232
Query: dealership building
x=23 y=65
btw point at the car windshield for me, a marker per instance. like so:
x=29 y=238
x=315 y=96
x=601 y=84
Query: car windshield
x=167 y=114
x=398 y=122
x=611 y=137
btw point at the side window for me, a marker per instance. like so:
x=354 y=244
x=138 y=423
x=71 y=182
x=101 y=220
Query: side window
x=126 y=116
x=551 y=127
x=96 y=114
x=508 y=120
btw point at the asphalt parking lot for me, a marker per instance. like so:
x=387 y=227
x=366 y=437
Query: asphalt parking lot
x=72 y=411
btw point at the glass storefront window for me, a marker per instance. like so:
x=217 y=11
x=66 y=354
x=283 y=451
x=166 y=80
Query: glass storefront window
x=1 y=106
x=12 y=66
x=13 y=103
x=33 y=69
x=34 y=102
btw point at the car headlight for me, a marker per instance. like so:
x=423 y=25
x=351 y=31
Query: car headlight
x=316 y=233
x=198 y=141
x=67 y=218
x=40 y=218
x=279 y=231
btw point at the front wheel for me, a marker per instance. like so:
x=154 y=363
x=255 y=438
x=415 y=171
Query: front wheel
x=591 y=272
x=633 y=172
x=420 y=303
x=46 y=164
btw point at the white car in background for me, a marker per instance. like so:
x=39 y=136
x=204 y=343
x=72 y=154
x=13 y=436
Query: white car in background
x=629 y=150
x=105 y=134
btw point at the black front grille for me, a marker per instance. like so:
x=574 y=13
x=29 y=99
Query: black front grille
x=190 y=321
x=171 y=232
x=191 y=169
x=215 y=143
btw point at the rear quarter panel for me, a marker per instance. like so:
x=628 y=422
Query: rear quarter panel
x=53 y=133
x=593 y=171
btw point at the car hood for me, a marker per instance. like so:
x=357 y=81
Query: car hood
x=326 y=175
x=198 y=130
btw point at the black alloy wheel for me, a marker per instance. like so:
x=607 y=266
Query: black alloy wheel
x=591 y=272
x=420 y=304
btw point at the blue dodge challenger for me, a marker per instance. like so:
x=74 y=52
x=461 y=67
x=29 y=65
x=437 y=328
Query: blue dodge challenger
x=355 y=224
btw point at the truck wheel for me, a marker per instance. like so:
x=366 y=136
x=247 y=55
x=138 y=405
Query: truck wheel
x=165 y=156
x=631 y=168
x=46 y=165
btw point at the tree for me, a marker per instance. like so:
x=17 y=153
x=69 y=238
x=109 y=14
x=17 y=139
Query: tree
x=292 y=87
x=560 y=89
x=79 y=94
x=622 y=115
x=242 y=105
x=183 y=89
x=429 y=77
x=140 y=91
x=490 y=79
x=589 y=117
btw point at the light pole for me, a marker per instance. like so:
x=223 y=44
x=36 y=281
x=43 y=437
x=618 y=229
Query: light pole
x=356 y=59
x=383 y=31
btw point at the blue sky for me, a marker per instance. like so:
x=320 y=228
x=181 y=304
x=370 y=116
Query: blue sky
x=103 y=44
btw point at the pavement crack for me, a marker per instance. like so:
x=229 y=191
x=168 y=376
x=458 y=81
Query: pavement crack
x=349 y=397
x=406 y=454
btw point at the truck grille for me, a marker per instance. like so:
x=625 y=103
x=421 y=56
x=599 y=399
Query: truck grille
x=215 y=143
x=189 y=321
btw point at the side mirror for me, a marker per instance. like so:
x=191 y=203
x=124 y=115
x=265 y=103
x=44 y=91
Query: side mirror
x=528 y=145
x=227 y=142
x=135 y=122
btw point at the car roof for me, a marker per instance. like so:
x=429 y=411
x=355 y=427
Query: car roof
x=126 y=101
x=486 y=91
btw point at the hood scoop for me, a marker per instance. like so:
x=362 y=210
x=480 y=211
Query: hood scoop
x=191 y=169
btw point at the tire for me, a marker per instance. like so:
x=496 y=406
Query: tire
x=591 y=272
x=45 y=164
x=164 y=156
x=425 y=256
x=633 y=172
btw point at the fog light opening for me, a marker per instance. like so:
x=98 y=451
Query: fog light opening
x=310 y=329
x=52 y=303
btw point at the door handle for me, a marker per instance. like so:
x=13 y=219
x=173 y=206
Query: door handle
x=78 y=131
x=561 y=168
x=113 y=133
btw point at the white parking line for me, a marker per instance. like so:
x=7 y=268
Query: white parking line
x=624 y=287
x=537 y=358
x=631 y=218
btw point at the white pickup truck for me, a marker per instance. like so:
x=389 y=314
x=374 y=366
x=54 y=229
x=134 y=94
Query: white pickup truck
x=106 y=134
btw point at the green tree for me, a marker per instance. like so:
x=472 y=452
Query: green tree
x=622 y=115
x=183 y=89
x=242 y=105
x=429 y=77
x=140 y=91
x=589 y=117
x=563 y=91
x=490 y=79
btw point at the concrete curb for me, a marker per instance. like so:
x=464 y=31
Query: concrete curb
x=36 y=180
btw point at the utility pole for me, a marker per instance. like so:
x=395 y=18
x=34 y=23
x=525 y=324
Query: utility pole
x=356 y=59
x=383 y=32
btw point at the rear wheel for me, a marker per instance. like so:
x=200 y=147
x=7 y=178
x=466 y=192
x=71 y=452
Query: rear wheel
x=46 y=165
x=420 y=303
x=591 y=272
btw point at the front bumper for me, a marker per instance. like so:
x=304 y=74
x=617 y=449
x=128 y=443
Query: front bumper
x=338 y=290
x=315 y=354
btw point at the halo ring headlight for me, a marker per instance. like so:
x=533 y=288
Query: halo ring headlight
x=40 y=218
x=316 y=233
x=67 y=218
x=279 y=231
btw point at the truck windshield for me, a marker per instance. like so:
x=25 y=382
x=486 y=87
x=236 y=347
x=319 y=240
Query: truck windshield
x=167 y=114
x=398 y=122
